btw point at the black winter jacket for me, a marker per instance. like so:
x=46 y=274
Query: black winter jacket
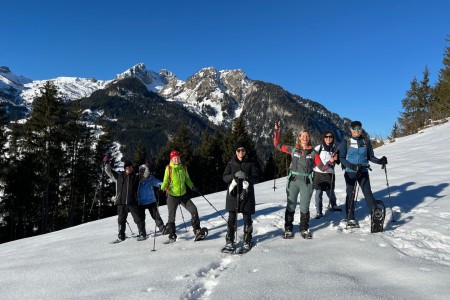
x=126 y=186
x=247 y=202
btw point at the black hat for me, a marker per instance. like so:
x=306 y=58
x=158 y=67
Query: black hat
x=127 y=164
x=355 y=123
x=239 y=145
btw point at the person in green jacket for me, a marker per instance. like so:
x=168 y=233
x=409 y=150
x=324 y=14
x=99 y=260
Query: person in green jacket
x=176 y=177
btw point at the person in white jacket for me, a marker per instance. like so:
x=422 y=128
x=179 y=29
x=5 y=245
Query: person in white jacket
x=325 y=180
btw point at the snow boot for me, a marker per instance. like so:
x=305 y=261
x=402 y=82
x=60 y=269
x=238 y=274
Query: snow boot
x=228 y=248
x=172 y=237
x=248 y=230
x=121 y=234
x=288 y=235
x=306 y=234
x=289 y=220
x=195 y=222
x=352 y=224
x=200 y=234
x=304 y=221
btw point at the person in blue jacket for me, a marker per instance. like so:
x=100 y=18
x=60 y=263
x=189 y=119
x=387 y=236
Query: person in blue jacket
x=355 y=154
x=146 y=195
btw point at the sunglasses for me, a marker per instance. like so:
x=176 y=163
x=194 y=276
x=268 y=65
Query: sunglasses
x=329 y=136
x=240 y=150
x=357 y=128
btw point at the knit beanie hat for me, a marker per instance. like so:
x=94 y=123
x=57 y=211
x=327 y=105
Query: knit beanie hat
x=174 y=153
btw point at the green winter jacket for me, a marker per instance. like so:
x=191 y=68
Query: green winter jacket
x=176 y=177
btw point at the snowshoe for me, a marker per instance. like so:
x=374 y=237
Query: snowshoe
x=201 y=234
x=378 y=215
x=247 y=247
x=117 y=241
x=172 y=239
x=142 y=237
x=306 y=234
x=288 y=235
x=229 y=248
x=352 y=224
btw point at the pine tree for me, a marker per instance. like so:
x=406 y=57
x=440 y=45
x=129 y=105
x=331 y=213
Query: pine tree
x=208 y=166
x=180 y=143
x=44 y=137
x=440 y=107
x=104 y=189
x=238 y=133
x=79 y=181
x=3 y=139
x=270 y=168
x=140 y=155
x=416 y=105
x=395 y=133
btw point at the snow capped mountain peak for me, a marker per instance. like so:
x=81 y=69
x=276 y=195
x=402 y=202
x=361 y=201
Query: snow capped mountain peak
x=152 y=80
x=70 y=88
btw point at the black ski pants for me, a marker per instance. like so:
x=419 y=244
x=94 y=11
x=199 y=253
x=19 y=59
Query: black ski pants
x=186 y=202
x=364 y=183
x=154 y=213
x=137 y=213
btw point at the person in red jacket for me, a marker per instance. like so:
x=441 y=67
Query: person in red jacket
x=304 y=158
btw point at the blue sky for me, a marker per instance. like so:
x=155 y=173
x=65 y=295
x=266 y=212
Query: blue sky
x=355 y=57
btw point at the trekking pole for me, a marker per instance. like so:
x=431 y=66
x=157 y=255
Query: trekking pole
x=157 y=214
x=97 y=187
x=184 y=222
x=132 y=233
x=389 y=192
x=275 y=165
x=238 y=198
x=212 y=206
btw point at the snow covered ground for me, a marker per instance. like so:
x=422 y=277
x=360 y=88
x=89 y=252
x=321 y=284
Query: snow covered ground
x=410 y=260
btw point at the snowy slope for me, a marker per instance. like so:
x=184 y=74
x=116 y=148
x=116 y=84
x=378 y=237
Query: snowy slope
x=410 y=260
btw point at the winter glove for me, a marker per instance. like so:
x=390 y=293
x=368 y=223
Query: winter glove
x=232 y=185
x=355 y=167
x=240 y=175
x=383 y=160
x=245 y=184
x=106 y=159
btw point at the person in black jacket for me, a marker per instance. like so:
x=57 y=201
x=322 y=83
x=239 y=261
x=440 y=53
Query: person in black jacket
x=240 y=174
x=127 y=183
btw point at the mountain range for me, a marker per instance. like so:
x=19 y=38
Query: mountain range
x=141 y=104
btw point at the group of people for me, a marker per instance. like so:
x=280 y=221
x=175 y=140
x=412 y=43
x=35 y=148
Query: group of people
x=311 y=169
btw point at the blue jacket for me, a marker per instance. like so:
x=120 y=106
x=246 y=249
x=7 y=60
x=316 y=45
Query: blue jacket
x=359 y=151
x=146 y=195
